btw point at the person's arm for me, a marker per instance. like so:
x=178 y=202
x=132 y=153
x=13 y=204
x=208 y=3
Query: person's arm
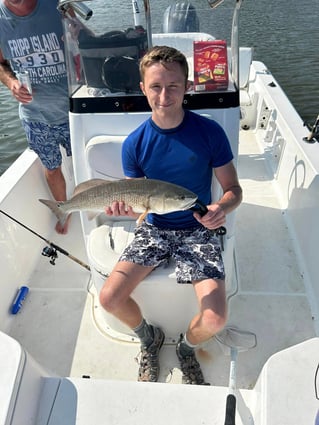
x=231 y=198
x=9 y=79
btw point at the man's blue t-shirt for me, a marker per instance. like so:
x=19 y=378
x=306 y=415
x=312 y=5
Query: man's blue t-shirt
x=35 y=43
x=184 y=155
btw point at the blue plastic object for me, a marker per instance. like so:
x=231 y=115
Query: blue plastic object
x=19 y=299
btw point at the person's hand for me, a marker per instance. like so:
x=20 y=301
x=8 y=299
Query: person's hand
x=214 y=218
x=20 y=92
x=118 y=208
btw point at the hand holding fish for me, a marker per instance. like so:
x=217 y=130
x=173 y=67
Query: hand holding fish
x=119 y=208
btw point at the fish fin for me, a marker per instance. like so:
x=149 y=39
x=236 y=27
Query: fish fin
x=88 y=184
x=54 y=207
x=141 y=217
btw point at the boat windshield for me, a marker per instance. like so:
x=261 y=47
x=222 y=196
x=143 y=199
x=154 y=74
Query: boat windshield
x=105 y=43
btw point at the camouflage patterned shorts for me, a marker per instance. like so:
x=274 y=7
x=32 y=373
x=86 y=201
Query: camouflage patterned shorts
x=196 y=251
x=45 y=141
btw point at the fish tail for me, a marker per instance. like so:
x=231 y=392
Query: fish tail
x=55 y=207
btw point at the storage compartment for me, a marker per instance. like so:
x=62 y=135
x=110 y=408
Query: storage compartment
x=111 y=60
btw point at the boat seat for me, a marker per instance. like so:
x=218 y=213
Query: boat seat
x=159 y=285
x=104 y=153
x=106 y=242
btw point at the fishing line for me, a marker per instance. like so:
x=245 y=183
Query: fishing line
x=46 y=251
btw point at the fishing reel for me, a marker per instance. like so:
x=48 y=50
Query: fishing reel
x=50 y=252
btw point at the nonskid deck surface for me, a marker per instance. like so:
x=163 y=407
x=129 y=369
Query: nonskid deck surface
x=59 y=323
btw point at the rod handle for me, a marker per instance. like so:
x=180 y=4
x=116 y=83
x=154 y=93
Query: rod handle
x=230 y=410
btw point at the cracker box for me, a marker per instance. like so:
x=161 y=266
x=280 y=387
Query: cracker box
x=210 y=65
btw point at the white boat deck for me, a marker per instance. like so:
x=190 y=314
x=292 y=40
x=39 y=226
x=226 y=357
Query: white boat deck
x=88 y=376
x=66 y=336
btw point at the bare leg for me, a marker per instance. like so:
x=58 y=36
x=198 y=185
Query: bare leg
x=57 y=185
x=115 y=297
x=115 y=294
x=211 y=319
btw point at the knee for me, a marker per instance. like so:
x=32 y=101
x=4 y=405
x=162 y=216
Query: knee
x=214 y=321
x=107 y=300
x=112 y=296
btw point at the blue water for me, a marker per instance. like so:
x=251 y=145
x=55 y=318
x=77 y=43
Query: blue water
x=284 y=36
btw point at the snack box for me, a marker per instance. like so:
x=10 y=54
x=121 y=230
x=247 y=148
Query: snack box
x=210 y=65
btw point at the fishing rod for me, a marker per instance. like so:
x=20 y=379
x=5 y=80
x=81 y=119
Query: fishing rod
x=51 y=250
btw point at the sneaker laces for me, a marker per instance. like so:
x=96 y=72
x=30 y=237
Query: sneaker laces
x=148 y=362
x=149 y=358
x=192 y=372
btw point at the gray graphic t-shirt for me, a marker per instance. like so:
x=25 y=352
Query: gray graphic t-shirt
x=35 y=43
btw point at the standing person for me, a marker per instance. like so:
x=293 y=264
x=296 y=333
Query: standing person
x=180 y=147
x=31 y=38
